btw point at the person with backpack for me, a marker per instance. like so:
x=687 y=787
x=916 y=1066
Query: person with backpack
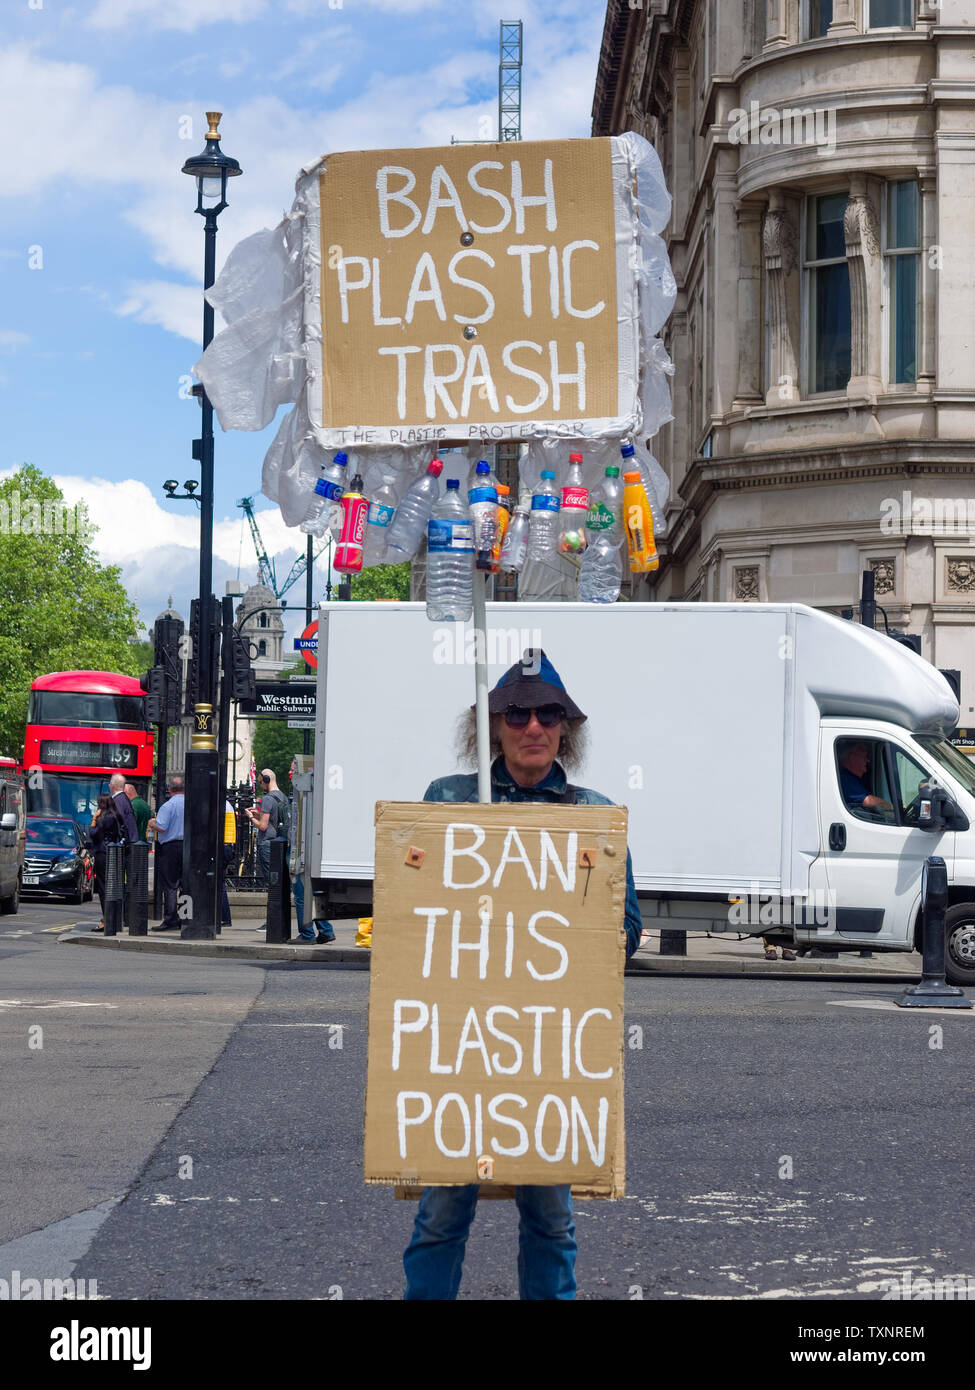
x=272 y=820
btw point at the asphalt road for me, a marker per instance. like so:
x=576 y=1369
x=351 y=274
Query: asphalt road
x=230 y=1074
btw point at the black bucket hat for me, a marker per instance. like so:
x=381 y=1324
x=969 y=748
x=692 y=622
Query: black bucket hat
x=531 y=682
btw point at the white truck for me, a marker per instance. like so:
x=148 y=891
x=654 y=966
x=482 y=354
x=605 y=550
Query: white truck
x=785 y=772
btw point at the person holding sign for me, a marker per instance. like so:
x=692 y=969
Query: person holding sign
x=534 y=723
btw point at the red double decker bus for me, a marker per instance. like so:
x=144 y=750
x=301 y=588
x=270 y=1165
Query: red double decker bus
x=83 y=726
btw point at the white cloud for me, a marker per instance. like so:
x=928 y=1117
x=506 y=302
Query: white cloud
x=11 y=339
x=177 y=308
x=187 y=15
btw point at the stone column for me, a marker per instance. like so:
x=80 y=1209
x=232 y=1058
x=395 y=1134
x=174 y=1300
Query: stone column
x=780 y=237
x=749 y=390
x=679 y=349
x=861 y=227
x=776 y=23
x=930 y=256
x=844 y=18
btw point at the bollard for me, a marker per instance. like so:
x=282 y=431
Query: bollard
x=279 y=895
x=933 y=992
x=113 y=889
x=673 y=943
x=137 y=890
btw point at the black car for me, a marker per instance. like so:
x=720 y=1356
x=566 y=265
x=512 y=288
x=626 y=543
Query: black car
x=58 y=862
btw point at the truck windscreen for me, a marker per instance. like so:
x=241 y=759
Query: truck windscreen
x=958 y=764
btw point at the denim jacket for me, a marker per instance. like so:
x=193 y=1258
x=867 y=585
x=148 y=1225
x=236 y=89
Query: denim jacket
x=553 y=788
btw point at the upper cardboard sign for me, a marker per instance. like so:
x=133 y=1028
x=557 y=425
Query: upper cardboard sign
x=470 y=292
x=496 y=996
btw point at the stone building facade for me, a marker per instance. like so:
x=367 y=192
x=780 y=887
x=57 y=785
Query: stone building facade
x=821 y=156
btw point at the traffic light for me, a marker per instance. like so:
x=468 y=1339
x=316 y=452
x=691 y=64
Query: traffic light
x=168 y=640
x=243 y=683
x=153 y=682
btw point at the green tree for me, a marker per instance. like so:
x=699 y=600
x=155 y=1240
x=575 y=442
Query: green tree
x=382 y=581
x=60 y=609
x=275 y=745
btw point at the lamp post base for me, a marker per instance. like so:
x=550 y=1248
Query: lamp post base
x=200 y=846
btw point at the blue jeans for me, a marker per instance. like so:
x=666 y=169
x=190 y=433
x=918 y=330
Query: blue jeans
x=546 y=1242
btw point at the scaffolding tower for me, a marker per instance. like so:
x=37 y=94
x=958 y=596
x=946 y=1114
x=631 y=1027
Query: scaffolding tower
x=509 y=81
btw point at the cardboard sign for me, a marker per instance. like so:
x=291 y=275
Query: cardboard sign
x=470 y=291
x=496 y=996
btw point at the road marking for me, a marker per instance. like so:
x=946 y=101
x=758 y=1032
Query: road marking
x=23 y=931
x=66 y=926
x=53 y=1004
x=888 y=1006
x=295 y=1025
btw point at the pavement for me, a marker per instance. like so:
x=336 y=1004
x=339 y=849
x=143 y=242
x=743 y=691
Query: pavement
x=724 y=955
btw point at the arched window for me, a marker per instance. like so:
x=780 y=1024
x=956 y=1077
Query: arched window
x=262 y=649
x=262 y=620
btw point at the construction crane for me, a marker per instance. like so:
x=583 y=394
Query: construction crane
x=265 y=565
x=509 y=85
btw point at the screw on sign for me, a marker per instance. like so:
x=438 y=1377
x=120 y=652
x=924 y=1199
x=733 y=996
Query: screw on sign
x=307 y=644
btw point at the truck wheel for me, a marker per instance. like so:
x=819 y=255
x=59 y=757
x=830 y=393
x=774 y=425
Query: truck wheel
x=11 y=904
x=960 y=944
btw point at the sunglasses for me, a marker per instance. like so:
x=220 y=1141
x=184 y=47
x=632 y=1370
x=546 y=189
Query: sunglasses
x=548 y=716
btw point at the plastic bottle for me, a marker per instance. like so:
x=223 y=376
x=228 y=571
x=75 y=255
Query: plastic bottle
x=450 y=559
x=544 y=519
x=638 y=520
x=504 y=521
x=601 y=572
x=575 y=510
x=328 y=490
x=483 y=499
x=514 y=550
x=412 y=515
x=382 y=509
x=355 y=507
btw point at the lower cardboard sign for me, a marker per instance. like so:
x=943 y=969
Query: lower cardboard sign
x=496 y=997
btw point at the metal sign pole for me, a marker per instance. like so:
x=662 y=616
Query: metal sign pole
x=481 y=689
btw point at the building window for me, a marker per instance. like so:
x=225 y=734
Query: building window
x=819 y=16
x=262 y=620
x=891 y=14
x=828 y=309
x=262 y=649
x=902 y=259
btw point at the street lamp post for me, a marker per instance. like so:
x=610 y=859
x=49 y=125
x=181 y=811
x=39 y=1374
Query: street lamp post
x=211 y=169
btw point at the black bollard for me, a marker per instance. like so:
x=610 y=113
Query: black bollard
x=933 y=992
x=673 y=943
x=279 y=895
x=113 y=889
x=137 y=890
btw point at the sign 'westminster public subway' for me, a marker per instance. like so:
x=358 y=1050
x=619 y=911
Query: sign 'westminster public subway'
x=467 y=288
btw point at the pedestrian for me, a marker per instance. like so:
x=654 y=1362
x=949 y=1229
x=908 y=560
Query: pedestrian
x=106 y=829
x=140 y=809
x=268 y=819
x=318 y=932
x=229 y=847
x=168 y=825
x=123 y=806
x=536 y=733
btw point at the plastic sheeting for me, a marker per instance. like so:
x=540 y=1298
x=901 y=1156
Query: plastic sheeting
x=269 y=352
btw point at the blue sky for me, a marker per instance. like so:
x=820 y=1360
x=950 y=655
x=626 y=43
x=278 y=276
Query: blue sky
x=101 y=252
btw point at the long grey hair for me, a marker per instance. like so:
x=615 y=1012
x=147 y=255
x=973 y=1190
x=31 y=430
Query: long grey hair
x=573 y=744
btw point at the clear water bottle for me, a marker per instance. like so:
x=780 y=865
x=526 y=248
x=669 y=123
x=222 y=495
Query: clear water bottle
x=574 y=511
x=412 y=515
x=483 y=499
x=382 y=509
x=514 y=551
x=544 y=532
x=328 y=490
x=601 y=572
x=450 y=559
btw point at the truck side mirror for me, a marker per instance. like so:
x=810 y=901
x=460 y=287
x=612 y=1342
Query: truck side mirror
x=937 y=810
